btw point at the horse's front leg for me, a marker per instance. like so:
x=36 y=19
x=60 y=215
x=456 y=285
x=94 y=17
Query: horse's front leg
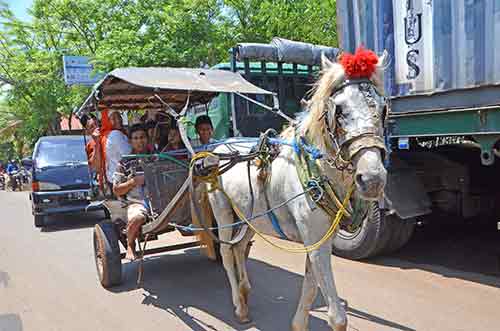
x=224 y=215
x=322 y=269
x=309 y=292
x=244 y=287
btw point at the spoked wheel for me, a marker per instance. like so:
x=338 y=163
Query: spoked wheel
x=107 y=255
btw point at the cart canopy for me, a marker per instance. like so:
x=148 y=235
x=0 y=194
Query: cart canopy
x=135 y=88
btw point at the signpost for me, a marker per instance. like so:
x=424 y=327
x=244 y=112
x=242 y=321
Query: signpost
x=78 y=71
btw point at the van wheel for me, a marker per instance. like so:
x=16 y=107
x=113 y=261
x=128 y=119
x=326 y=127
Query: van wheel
x=107 y=255
x=39 y=221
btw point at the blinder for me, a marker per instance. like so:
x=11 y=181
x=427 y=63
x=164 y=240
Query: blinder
x=360 y=138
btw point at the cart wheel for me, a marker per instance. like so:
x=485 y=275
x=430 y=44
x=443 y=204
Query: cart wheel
x=107 y=213
x=107 y=255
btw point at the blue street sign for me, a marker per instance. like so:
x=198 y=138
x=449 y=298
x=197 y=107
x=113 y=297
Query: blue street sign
x=78 y=71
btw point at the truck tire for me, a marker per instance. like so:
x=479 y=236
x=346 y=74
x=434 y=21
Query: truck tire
x=367 y=241
x=400 y=233
x=107 y=255
x=39 y=221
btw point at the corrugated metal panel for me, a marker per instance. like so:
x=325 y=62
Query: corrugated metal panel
x=436 y=45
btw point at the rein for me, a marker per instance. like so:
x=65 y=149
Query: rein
x=319 y=186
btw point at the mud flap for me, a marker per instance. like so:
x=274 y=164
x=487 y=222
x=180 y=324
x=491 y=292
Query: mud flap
x=405 y=195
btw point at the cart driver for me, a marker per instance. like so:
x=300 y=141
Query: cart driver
x=127 y=182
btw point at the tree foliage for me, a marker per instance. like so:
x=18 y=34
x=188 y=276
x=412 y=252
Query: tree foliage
x=117 y=33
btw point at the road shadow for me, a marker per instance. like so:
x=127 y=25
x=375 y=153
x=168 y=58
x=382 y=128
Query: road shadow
x=65 y=222
x=468 y=251
x=10 y=322
x=187 y=283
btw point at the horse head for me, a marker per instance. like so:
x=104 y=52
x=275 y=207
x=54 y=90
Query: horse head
x=348 y=108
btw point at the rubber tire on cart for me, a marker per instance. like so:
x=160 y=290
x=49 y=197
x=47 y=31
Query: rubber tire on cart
x=400 y=233
x=107 y=254
x=367 y=241
x=39 y=221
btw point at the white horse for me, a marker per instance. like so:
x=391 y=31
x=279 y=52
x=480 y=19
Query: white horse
x=343 y=114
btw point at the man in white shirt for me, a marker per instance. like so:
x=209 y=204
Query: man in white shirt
x=117 y=144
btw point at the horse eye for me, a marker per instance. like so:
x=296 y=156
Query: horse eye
x=338 y=111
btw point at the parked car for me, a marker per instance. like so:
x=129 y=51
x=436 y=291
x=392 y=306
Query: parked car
x=62 y=180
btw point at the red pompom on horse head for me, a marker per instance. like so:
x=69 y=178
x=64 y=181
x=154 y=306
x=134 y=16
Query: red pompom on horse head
x=361 y=64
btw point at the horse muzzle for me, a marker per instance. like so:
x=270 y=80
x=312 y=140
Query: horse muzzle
x=370 y=176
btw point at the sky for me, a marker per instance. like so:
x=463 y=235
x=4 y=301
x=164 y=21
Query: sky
x=19 y=8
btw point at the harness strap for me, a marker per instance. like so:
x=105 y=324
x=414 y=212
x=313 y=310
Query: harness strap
x=272 y=216
x=213 y=180
x=309 y=172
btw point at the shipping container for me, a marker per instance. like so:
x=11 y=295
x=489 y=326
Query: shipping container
x=445 y=49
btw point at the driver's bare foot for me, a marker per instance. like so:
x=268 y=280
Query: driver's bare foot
x=130 y=255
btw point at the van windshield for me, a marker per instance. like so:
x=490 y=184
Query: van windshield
x=60 y=152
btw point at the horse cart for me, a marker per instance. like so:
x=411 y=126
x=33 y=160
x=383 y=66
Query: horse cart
x=168 y=182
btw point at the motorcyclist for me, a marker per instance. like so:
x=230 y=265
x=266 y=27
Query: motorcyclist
x=12 y=167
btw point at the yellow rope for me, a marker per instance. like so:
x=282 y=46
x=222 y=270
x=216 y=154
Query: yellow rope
x=212 y=179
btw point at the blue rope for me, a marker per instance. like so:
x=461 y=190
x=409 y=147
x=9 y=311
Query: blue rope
x=191 y=228
x=276 y=225
x=296 y=145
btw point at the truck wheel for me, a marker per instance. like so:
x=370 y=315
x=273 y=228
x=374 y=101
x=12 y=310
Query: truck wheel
x=367 y=240
x=401 y=232
x=107 y=255
x=39 y=221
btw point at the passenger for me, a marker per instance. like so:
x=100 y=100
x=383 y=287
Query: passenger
x=175 y=142
x=127 y=183
x=204 y=129
x=93 y=147
x=116 y=144
x=162 y=131
x=157 y=126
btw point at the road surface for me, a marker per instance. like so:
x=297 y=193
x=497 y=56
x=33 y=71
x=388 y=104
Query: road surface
x=442 y=281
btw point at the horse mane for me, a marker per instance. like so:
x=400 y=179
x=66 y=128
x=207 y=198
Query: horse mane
x=312 y=124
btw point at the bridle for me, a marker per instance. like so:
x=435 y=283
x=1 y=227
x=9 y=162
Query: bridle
x=343 y=154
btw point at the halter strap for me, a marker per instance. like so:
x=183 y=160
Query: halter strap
x=348 y=82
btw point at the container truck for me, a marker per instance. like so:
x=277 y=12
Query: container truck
x=443 y=127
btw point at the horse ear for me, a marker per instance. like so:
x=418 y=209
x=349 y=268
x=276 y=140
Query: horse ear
x=325 y=62
x=383 y=61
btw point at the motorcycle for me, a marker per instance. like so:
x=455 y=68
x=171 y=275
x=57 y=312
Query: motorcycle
x=14 y=182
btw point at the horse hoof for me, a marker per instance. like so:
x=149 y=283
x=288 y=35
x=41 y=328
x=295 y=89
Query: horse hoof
x=243 y=319
x=340 y=327
x=298 y=328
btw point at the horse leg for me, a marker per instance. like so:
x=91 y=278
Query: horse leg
x=309 y=291
x=224 y=215
x=244 y=287
x=322 y=269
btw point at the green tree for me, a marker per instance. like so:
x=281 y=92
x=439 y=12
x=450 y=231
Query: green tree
x=301 y=20
x=118 y=33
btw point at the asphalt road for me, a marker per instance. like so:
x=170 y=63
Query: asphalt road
x=444 y=280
